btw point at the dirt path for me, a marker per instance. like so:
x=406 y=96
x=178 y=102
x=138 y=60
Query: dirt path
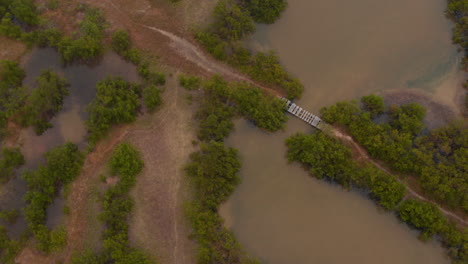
x=158 y=224
x=364 y=156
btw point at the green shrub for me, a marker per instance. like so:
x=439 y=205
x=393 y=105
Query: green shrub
x=62 y=165
x=373 y=104
x=126 y=161
x=423 y=216
x=116 y=102
x=213 y=43
x=133 y=56
x=266 y=11
x=52 y=4
x=89 y=45
x=190 y=82
x=120 y=41
x=10 y=159
x=231 y=21
x=265 y=110
x=44 y=102
x=8 y=28
x=24 y=11
x=152 y=97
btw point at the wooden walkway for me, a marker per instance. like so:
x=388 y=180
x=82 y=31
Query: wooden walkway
x=303 y=114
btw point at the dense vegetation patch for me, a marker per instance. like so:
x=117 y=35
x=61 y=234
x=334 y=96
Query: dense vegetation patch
x=10 y=160
x=62 y=165
x=12 y=95
x=457 y=11
x=116 y=102
x=265 y=11
x=44 y=101
x=126 y=163
x=438 y=158
x=88 y=45
x=214 y=174
x=328 y=158
x=222 y=101
x=427 y=218
x=233 y=22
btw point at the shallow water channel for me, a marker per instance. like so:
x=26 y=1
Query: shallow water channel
x=68 y=124
x=340 y=50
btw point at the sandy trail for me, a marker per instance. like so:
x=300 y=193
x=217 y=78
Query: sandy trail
x=363 y=154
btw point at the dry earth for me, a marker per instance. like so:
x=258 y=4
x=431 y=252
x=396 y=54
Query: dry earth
x=158 y=224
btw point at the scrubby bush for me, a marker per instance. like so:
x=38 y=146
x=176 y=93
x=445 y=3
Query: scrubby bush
x=116 y=102
x=231 y=21
x=190 y=82
x=265 y=110
x=422 y=215
x=89 y=43
x=126 y=163
x=373 y=104
x=265 y=11
x=120 y=41
x=152 y=97
x=44 y=101
x=62 y=165
x=10 y=159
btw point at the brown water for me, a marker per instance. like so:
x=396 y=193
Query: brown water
x=68 y=124
x=340 y=50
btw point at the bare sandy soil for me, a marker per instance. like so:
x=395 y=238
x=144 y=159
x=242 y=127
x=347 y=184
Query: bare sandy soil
x=11 y=49
x=165 y=139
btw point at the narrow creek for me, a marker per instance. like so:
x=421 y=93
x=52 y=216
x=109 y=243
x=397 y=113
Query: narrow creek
x=340 y=50
x=68 y=124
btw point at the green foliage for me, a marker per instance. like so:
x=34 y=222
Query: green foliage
x=152 y=97
x=422 y=215
x=190 y=82
x=265 y=110
x=89 y=45
x=12 y=95
x=8 y=28
x=457 y=10
x=126 y=161
x=44 y=102
x=24 y=11
x=117 y=204
x=437 y=159
x=116 y=102
x=120 y=41
x=9 y=216
x=10 y=159
x=213 y=43
x=266 y=68
x=63 y=164
x=327 y=157
x=232 y=22
x=408 y=118
x=43 y=37
x=52 y=4
x=214 y=173
x=265 y=11
x=151 y=76
x=373 y=104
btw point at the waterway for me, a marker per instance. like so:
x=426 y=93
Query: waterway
x=340 y=50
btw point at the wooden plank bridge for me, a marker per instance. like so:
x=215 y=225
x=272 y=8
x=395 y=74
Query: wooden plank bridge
x=303 y=114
